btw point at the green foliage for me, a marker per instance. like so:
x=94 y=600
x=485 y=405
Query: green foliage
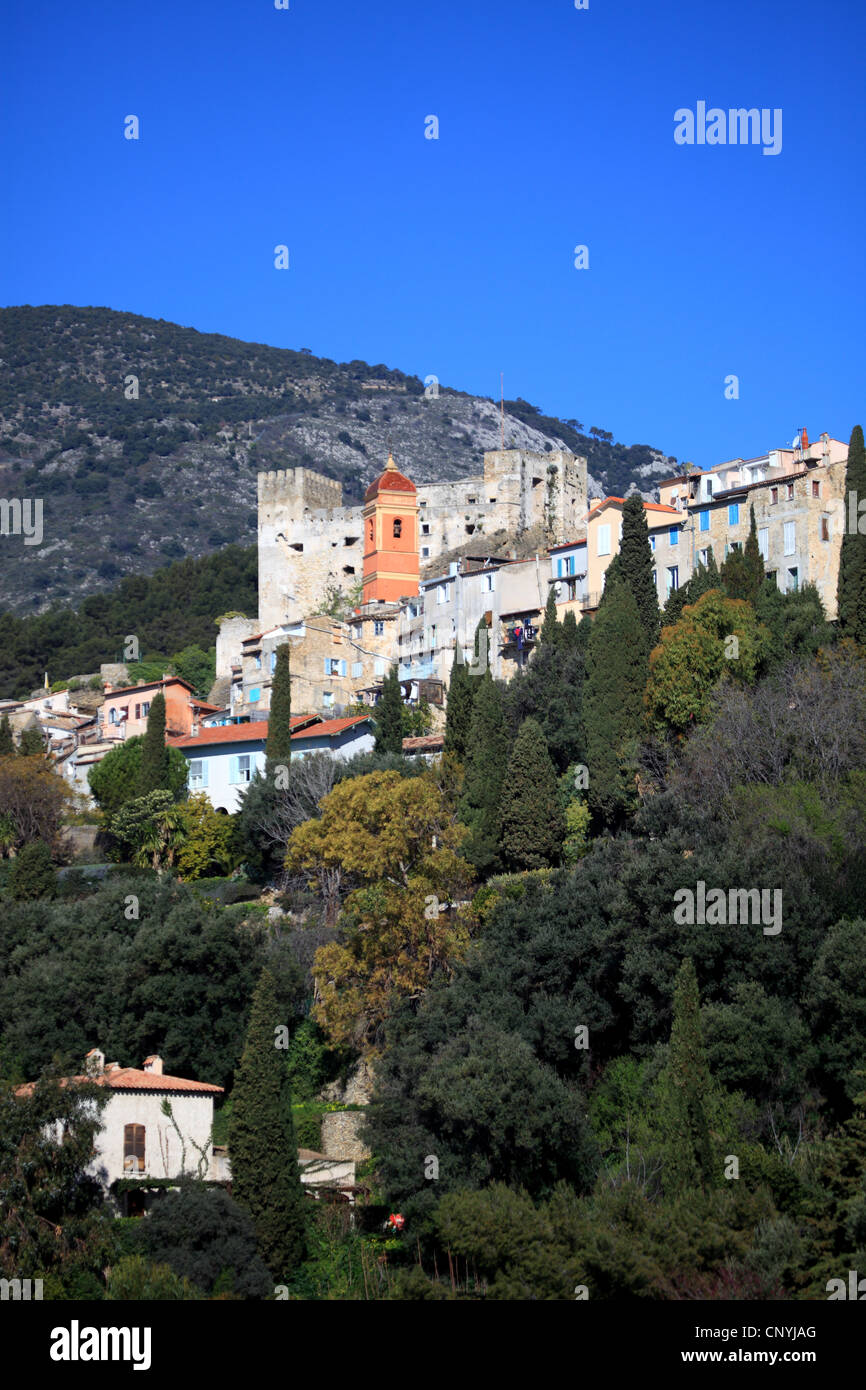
x=852 y=561
x=685 y=1085
x=207 y=1239
x=116 y=779
x=265 y=1177
x=169 y=611
x=7 y=742
x=310 y=1063
x=149 y=829
x=550 y=628
x=532 y=823
x=208 y=846
x=135 y=1279
x=458 y=715
x=196 y=666
x=154 y=774
x=31 y=743
x=486 y=763
x=32 y=874
x=279 y=745
x=613 y=703
x=634 y=565
x=53 y=1224
x=388 y=716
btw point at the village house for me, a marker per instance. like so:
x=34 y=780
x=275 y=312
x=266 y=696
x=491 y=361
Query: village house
x=223 y=759
x=125 y=709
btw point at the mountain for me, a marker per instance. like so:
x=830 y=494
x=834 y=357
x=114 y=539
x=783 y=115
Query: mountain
x=143 y=440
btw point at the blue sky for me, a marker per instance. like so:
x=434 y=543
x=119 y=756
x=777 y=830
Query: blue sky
x=455 y=256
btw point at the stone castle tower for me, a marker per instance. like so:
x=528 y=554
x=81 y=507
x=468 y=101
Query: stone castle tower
x=308 y=542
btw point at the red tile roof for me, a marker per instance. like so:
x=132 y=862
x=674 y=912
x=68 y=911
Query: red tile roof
x=258 y=732
x=133 y=1079
x=149 y=685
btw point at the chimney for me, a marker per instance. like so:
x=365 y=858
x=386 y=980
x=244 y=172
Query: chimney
x=153 y=1064
x=805 y=438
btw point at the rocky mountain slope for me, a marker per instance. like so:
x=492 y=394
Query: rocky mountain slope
x=143 y=440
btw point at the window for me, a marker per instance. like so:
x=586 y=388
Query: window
x=674 y=535
x=443 y=593
x=733 y=513
x=197 y=774
x=793 y=579
x=825 y=528
x=138 y=711
x=370 y=531
x=709 y=483
x=425 y=528
x=764 y=541
x=790 y=537
x=789 y=491
x=603 y=540
x=398 y=528
x=133 y=1148
x=704 y=523
x=652 y=542
x=145 y=709
x=327 y=699
x=239 y=768
x=112 y=715
x=258 y=662
x=378 y=667
x=273 y=661
x=425 y=552
x=704 y=557
x=673 y=578
x=378 y=627
x=774 y=496
x=816 y=488
x=357 y=669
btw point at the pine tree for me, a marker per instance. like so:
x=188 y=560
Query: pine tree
x=31 y=744
x=851 y=590
x=686 y=1085
x=613 y=703
x=486 y=761
x=533 y=825
x=458 y=713
x=388 y=719
x=550 y=629
x=279 y=746
x=154 y=774
x=635 y=566
x=7 y=742
x=262 y=1145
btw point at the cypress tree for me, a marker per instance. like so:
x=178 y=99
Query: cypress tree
x=30 y=744
x=851 y=589
x=754 y=560
x=486 y=760
x=686 y=1087
x=388 y=719
x=570 y=638
x=550 y=629
x=617 y=673
x=458 y=711
x=279 y=746
x=635 y=566
x=533 y=825
x=7 y=742
x=262 y=1144
x=153 y=775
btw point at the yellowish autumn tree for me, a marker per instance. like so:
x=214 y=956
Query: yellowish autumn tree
x=398 y=838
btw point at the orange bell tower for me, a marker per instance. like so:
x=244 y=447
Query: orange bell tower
x=390 y=536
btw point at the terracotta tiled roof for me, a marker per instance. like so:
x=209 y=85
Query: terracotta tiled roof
x=648 y=506
x=389 y=481
x=258 y=732
x=423 y=741
x=132 y=1079
x=148 y=685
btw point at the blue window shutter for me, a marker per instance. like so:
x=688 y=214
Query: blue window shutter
x=234 y=775
x=559 y=568
x=204 y=763
x=342 y=668
x=327 y=666
x=705 y=520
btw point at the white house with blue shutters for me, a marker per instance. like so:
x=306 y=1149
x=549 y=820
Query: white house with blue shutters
x=223 y=759
x=568 y=571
